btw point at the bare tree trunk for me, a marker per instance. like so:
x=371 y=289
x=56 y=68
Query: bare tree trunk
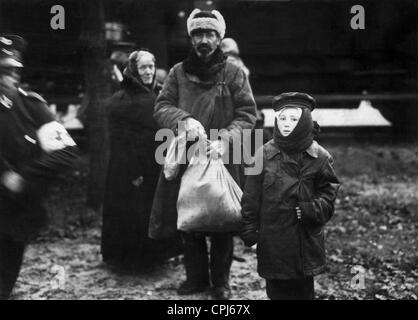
x=97 y=90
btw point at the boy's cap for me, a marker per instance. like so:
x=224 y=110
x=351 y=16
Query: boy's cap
x=293 y=99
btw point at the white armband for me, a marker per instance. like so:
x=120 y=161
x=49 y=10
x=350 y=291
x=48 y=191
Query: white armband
x=52 y=136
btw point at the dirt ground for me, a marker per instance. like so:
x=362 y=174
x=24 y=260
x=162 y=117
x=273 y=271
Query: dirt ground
x=371 y=241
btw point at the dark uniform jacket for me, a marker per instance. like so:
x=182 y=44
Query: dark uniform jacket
x=36 y=147
x=289 y=248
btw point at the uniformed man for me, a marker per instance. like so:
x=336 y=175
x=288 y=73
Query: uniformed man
x=33 y=149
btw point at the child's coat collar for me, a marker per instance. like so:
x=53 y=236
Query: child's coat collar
x=272 y=149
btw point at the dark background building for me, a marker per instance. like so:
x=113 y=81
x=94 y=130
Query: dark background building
x=294 y=45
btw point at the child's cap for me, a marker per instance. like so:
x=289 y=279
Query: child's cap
x=293 y=99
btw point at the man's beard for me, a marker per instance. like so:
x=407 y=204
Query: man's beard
x=204 y=50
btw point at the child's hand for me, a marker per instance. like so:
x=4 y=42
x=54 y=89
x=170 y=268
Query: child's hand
x=298 y=213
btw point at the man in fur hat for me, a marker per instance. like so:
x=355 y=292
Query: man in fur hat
x=205 y=92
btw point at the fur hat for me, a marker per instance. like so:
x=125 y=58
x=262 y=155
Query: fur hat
x=212 y=20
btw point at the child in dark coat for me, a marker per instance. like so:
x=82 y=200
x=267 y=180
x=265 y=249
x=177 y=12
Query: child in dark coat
x=286 y=206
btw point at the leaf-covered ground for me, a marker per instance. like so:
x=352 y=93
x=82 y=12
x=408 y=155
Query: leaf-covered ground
x=371 y=241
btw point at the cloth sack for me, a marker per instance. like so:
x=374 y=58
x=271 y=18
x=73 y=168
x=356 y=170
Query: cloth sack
x=209 y=199
x=175 y=155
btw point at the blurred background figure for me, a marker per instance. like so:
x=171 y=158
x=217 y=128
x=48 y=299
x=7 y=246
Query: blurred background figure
x=132 y=170
x=119 y=60
x=230 y=48
x=160 y=75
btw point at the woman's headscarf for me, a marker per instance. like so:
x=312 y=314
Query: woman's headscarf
x=131 y=71
x=302 y=135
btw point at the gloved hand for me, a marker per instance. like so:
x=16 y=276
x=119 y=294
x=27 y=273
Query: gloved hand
x=194 y=129
x=216 y=149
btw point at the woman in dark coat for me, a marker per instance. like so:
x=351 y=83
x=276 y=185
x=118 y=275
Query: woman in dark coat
x=132 y=171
